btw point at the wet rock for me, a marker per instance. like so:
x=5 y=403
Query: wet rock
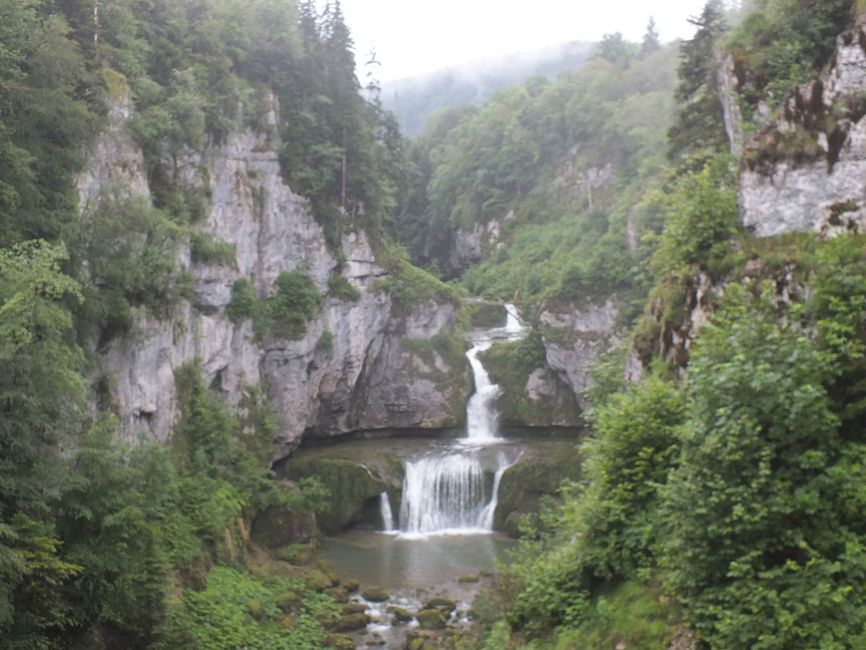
x=375 y=595
x=432 y=619
x=335 y=579
x=401 y=615
x=354 y=608
x=339 y=642
x=337 y=593
x=352 y=586
x=524 y=483
x=444 y=604
x=349 y=623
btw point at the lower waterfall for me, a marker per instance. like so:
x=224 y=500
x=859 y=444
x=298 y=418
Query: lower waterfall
x=456 y=492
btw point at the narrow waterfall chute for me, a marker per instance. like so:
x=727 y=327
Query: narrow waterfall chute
x=388 y=525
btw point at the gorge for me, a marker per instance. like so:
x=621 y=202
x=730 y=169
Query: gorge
x=581 y=366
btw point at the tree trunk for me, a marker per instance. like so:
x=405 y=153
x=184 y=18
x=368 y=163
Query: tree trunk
x=95 y=24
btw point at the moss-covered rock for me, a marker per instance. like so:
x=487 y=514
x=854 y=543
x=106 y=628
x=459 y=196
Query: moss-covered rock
x=289 y=601
x=339 y=642
x=285 y=526
x=337 y=593
x=401 y=615
x=525 y=483
x=352 y=586
x=354 y=608
x=432 y=619
x=349 y=623
x=375 y=595
x=444 y=604
x=532 y=394
x=351 y=485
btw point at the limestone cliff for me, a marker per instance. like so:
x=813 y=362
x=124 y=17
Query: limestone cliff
x=805 y=170
x=366 y=377
x=574 y=339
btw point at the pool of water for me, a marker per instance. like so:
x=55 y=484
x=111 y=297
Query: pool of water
x=396 y=563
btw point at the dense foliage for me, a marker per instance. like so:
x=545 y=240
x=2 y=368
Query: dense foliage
x=558 y=166
x=99 y=539
x=724 y=492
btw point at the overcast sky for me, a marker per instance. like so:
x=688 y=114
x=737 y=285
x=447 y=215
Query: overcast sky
x=417 y=36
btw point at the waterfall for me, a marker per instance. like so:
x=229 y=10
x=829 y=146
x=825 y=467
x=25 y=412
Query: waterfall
x=481 y=416
x=448 y=492
x=387 y=515
x=443 y=494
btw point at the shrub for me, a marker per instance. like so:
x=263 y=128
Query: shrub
x=340 y=288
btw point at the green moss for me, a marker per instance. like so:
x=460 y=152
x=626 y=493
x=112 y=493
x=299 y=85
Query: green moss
x=510 y=365
x=525 y=483
x=351 y=486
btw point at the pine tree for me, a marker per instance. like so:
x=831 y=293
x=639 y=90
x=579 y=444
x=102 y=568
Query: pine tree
x=699 y=129
x=650 y=41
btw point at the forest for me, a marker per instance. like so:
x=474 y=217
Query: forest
x=722 y=496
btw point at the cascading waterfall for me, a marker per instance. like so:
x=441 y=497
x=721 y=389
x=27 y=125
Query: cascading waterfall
x=451 y=492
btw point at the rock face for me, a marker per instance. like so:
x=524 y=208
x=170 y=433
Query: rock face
x=806 y=169
x=470 y=244
x=574 y=339
x=366 y=377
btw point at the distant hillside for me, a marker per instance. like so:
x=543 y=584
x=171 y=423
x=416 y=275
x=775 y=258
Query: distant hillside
x=413 y=99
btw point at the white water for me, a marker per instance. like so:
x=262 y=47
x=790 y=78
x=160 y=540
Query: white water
x=447 y=493
x=387 y=515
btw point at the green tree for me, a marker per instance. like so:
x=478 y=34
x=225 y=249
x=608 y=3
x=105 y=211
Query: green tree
x=41 y=391
x=765 y=512
x=699 y=129
x=650 y=42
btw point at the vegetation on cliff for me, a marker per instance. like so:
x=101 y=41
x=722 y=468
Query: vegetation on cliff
x=723 y=498
x=101 y=541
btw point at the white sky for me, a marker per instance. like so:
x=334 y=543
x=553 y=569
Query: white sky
x=418 y=36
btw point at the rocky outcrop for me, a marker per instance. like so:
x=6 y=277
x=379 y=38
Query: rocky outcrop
x=573 y=340
x=365 y=377
x=470 y=245
x=806 y=169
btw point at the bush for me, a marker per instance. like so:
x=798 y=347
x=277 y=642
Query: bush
x=204 y=249
x=340 y=288
x=244 y=301
x=294 y=304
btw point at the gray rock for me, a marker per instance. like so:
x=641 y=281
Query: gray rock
x=828 y=193
x=366 y=380
x=573 y=341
